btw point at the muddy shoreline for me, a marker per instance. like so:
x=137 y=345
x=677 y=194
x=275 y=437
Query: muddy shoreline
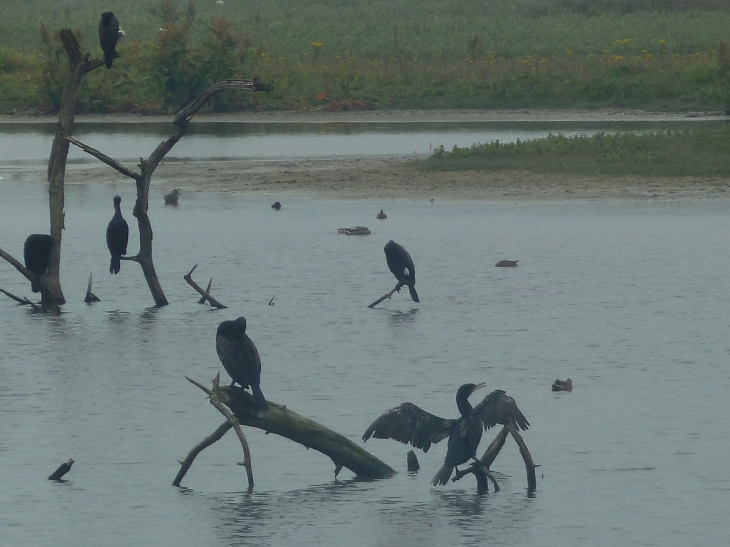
x=396 y=178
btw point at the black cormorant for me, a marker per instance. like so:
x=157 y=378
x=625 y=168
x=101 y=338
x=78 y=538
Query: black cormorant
x=240 y=357
x=401 y=264
x=108 y=36
x=117 y=235
x=36 y=252
x=408 y=423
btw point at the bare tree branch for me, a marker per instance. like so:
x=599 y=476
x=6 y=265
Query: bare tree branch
x=18 y=299
x=386 y=295
x=102 y=157
x=198 y=448
x=183 y=117
x=30 y=276
x=205 y=294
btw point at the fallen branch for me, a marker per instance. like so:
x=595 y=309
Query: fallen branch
x=18 y=299
x=90 y=296
x=64 y=468
x=205 y=294
x=527 y=457
x=281 y=421
x=213 y=397
x=198 y=448
x=386 y=295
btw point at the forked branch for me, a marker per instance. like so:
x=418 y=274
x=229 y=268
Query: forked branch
x=386 y=295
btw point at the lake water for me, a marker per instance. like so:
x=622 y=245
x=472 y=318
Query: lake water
x=629 y=299
x=29 y=144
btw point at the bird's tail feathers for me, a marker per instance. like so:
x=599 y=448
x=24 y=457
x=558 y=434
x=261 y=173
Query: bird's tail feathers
x=414 y=294
x=116 y=265
x=258 y=397
x=443 y=475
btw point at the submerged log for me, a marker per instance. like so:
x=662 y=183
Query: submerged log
x=282 y=421
x=64 y=468
x=205 y=294
x=90 y=297
x=412 y=460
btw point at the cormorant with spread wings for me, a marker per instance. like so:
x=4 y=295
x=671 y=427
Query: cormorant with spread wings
x=409 y=423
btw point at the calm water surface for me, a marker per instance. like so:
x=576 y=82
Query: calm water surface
x=628 y=299
x=29 y=144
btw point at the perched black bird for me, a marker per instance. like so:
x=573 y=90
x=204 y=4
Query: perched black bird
x=258 y=85
x=36 y=252
x=408 y=423
x=240 y=357
x=400 y=263
x=117 y=235
x=108 y=36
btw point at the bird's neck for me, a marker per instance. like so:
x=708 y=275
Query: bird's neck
x=465 y=408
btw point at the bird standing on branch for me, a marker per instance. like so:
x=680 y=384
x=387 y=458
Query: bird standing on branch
x=117 y=235
x=401 y=264
x=108 y=36
x=409 y=423
x=240 y=358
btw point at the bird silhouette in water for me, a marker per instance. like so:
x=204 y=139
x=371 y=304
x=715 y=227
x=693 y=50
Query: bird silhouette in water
x=117 y=235
x=381 y=215
x=240 y=358
x=276 y=206
x=108 y=36
x=409 y=423
x=172 y=197
x=36 y=253
x=401 y=264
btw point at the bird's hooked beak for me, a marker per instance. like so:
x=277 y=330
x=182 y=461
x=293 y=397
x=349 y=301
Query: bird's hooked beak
x=479 y=386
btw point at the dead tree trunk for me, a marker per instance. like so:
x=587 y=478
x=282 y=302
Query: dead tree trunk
x=282 y=421
x=144 y=178
x=50 y=284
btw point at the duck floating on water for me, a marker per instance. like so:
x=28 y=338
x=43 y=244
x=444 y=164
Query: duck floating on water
x=563 y=385
x=507 y=264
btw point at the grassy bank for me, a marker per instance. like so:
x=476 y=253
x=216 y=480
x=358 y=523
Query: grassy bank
x=672 y=153
x=357 y=54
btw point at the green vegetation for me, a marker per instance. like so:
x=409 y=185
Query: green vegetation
x=672 y=153
x=653 y=54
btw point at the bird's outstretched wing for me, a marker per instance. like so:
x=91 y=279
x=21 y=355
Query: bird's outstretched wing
x=409 y=423
x=500 y=408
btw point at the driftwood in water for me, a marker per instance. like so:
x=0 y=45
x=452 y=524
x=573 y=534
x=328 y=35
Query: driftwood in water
x=64 y=468
x=205 y=294
x=354 y=231
x=143 y=179
x=491 y=453
x=386 y=295
x=90 y=297
x=282 y=421
x=198 y=448
x=412 y=461
x=18 y=299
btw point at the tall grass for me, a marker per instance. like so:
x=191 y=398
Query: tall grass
x=357 y=53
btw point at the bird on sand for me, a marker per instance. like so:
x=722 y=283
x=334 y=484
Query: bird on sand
x=36 y=252
x=240 y=358
x=411 y=424
x=401 y=264
x=117 y=236
x=108 y=36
